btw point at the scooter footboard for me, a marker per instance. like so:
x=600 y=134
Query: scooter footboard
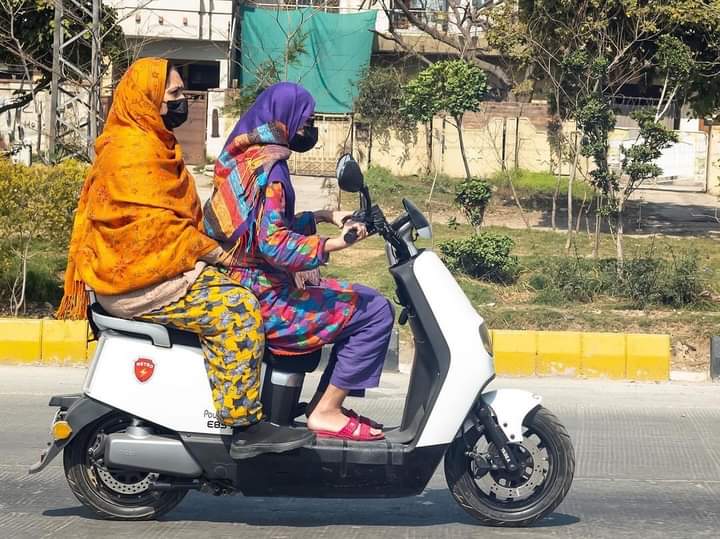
x=511 y=407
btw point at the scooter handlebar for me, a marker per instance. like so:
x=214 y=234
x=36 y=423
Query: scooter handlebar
x=350 y=236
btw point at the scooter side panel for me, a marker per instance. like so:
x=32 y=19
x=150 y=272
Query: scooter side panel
x=471 y=367
x=167 y=386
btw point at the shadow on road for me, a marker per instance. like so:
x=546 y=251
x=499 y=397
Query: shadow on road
x=433 y=507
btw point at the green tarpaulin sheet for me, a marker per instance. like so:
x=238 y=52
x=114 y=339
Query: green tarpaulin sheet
x=336 y=51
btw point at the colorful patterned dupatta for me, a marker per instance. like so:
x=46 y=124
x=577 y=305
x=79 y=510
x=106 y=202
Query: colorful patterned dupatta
x=256 y=146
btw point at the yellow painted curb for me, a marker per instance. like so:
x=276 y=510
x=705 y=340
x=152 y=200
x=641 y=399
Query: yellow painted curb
x=516 y=353
x=558 y=353
x=648 y=357
x=20 y=340
x=64 y=341
x=603 y=355
x=594 y=355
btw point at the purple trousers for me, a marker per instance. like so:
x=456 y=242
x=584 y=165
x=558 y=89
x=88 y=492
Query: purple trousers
x=359 y=350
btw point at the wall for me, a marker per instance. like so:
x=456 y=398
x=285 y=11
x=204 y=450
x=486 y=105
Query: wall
x=25 y=119
x=713 y=179
x=526 y=146
x=495 y=135
x=181 y=49
x=186 y=19
x=214 y=144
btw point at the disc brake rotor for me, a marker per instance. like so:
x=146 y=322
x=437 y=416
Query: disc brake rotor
x=532 y=474
x=126 y=481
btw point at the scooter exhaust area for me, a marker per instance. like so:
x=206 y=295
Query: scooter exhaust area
x=139 y=449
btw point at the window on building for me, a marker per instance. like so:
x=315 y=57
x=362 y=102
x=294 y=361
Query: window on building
x=427 y=11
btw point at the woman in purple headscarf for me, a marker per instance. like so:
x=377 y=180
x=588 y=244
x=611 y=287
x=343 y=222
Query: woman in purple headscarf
x=276 y=254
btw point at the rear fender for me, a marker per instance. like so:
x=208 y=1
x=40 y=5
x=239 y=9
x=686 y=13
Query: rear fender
x=511 y=407
x=81 y=413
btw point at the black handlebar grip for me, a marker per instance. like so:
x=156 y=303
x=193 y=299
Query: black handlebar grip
x=350 y=236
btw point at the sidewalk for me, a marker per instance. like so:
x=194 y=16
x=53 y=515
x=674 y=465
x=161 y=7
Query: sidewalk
x=311 y=192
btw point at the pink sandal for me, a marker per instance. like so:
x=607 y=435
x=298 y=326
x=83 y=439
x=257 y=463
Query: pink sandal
x=348 y=432
x=372 y=423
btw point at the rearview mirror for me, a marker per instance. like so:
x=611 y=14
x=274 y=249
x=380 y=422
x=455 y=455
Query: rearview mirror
x=349 y=175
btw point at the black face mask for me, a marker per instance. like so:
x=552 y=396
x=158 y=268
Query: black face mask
x=304 y=140
x=177 y=113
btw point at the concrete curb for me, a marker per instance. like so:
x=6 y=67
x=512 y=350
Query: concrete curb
x=618 y=356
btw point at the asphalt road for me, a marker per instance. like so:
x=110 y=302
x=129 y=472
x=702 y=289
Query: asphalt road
x=648 y=465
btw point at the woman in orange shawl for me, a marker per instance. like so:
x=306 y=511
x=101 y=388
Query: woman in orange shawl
x=137 y=243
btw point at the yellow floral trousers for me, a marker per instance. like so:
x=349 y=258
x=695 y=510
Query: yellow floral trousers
x=228 y=320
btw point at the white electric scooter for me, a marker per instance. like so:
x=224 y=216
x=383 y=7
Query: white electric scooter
x=143 y=431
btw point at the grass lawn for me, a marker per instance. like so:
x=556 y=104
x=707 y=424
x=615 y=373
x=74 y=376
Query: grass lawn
x=504 y=306
x=514 y=306
x=535 y=190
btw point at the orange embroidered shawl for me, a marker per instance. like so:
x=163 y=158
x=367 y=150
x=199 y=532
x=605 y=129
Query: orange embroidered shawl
x=138 y=217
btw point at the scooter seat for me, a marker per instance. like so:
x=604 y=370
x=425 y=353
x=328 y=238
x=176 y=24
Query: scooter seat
x=163 y=336
x=295 y=364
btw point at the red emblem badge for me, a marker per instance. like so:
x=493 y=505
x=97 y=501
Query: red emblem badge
x=144 y=369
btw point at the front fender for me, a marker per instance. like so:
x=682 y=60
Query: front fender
x=511 y=407
x=82 y=412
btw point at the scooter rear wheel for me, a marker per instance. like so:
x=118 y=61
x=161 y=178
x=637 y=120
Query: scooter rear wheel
x=113 y=494
x=498 y=498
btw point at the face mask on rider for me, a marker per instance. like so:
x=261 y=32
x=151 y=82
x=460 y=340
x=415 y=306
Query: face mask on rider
x=305 y=139
x=177 y=113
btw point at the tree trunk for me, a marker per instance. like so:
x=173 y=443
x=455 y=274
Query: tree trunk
x=23 y=281
x=370 y=145
x=517 y=199
x=458 y=123
x=571 y=180
x=553 y=215
x=429 y=146
x=620 y=230
x=580 y=212
x=596 y=243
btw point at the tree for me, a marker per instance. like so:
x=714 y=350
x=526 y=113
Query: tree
x=586 y=52
x=450 y=86
x=473 y=196
x=676 y=61
x=379 y=103
x=26 y=43
x=638 y=163
x=461 y=25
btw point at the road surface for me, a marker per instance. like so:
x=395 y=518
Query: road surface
x=648 y=465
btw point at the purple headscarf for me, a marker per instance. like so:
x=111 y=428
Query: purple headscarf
x=284 y=102
x=255 y=154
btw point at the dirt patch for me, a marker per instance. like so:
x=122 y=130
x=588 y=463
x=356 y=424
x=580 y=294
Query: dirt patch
x=33 y=310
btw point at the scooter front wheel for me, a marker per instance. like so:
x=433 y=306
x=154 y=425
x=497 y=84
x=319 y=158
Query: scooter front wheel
x=482 y=486
x=112 y=493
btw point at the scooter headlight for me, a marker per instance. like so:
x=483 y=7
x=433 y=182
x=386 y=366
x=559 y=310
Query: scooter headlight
x=485 y=338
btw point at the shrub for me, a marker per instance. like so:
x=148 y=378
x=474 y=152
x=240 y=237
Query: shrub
x=486 y=256
x=572 y=280
x=37 y=206
x=473 y=196
x=639 y=280
x=644 y=280
x=682 y=282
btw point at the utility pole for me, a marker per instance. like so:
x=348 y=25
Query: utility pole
x=75 y=90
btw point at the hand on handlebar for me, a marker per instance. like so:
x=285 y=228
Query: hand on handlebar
x=339 y=218
x=352 y=232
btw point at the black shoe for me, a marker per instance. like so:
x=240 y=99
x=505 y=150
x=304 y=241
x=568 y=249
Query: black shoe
x=264 y=437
